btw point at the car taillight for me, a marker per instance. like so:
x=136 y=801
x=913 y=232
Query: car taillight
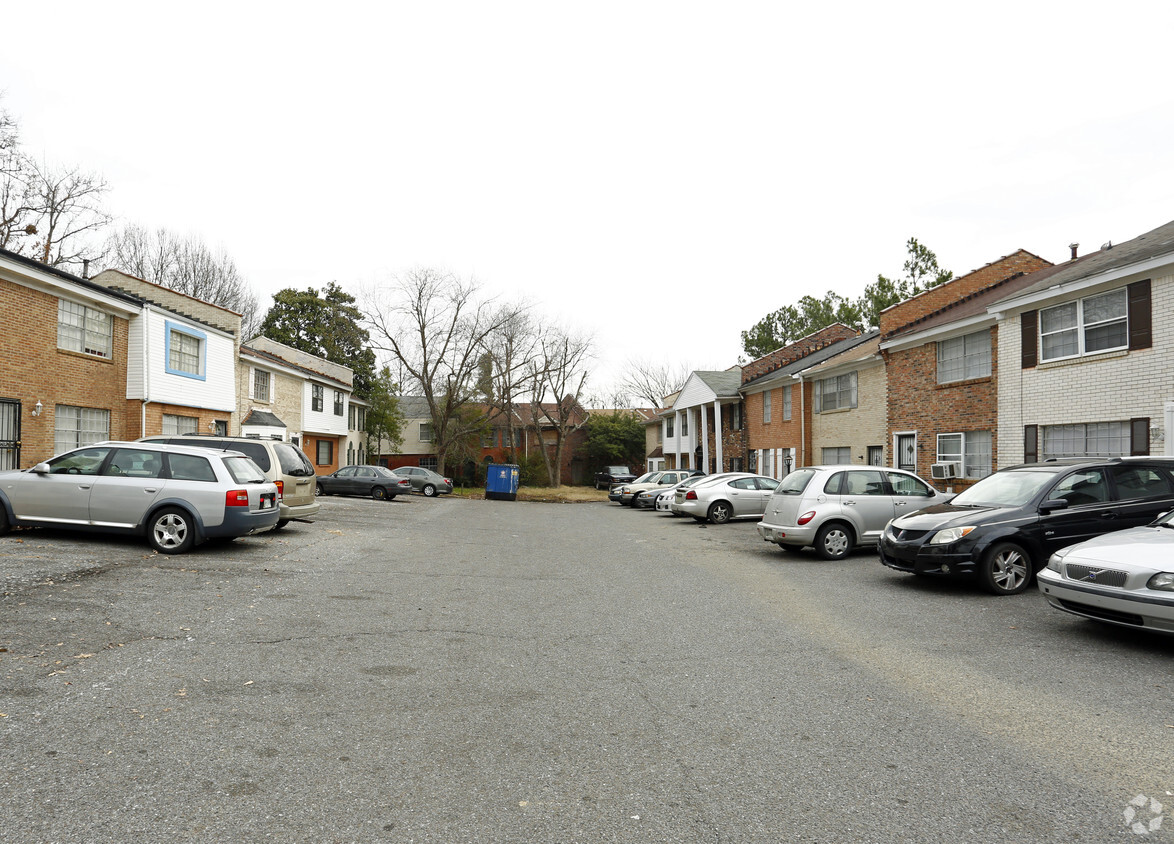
x=280 y=490
x=805 y=518
x=236 y=498
x=690 y=496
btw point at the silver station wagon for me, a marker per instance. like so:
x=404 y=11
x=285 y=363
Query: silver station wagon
x=176 y=496
x=836 y=508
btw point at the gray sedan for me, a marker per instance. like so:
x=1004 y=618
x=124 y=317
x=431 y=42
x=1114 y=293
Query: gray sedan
x=375 y=481
x=720 y=498
x=424 y=480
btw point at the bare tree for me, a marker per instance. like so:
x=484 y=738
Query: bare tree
x=438 y=326
x=188 y=266
x=16 y=208
x=651 y=382
x=67 y=213
x=506 y=366
x=559 y=374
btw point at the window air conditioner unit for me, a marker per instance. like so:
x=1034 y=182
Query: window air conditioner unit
x=945 y=471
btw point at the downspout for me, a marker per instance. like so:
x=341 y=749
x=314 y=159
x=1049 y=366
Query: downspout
x=800 y=458
x=146 y=374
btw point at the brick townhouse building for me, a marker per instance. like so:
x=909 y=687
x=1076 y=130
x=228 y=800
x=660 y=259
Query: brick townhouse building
x=940 y=351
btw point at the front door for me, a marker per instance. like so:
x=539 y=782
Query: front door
x=9 y=434
x=907 y=452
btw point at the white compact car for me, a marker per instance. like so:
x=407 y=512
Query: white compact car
x=1124 y=578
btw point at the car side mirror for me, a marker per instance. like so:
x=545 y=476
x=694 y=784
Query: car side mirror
x=41 y=468
x=1053 y=504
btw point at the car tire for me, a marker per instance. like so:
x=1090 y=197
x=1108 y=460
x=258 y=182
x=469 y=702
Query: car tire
x=834 y=540
x=171 y=531
x=429 y=490
x=4 y=524
x=379 y=493
x=1005 y=569
x=319 y=490
x=280 y=524
x=720 y=512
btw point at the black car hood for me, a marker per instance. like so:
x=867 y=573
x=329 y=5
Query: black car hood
x=951 y=515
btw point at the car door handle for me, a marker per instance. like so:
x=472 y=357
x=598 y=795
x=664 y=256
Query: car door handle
x=150 y=490
x=1109 y=514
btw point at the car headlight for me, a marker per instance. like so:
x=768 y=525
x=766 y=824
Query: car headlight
x=1163 y=580
x=945 y=537
x=1056 y=561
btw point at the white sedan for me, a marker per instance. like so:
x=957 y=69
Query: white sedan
x=1124 y=578
x=720 y=498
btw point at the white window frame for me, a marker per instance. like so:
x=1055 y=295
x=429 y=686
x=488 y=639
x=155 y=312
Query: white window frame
x=427 y=434
x=186 y=350
x=836 y=455
x=970 y=449
x=964 y=358
x=766 y=408
x=1095 y=439
x=258 y=393
x=787 y=403
x=317 y=398
x=84 y=330
x=1079 y=324
x=175 y=425
x=843 y=387
x=82 y=426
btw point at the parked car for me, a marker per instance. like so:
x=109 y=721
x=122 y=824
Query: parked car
x=667 y=477
x=375 y=481
x=664 y=500
x=175 y=496
x=609 y=475
x=425 y=480
x=647 y=498
x=836 y=508
x=283 y=463
x=720 y=498
x=617 y=491
x=1124 y=578
x=1005 y=527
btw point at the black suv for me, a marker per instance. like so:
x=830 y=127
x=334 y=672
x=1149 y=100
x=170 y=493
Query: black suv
x=1006 y=526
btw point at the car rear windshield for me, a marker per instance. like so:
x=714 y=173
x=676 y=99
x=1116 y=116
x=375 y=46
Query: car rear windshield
x=1005 y=489
x=243 y=470
x=795 y=483
x=292 y=460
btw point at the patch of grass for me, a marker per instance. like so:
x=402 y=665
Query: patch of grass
x=563 y=494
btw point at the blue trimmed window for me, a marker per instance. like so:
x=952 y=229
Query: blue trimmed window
x=186 y=351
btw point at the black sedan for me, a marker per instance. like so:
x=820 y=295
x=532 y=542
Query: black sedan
x=1004 y=528
x=374 y=481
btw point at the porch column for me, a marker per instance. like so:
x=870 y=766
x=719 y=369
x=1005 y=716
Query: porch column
x=717 y=433
x=703 y=438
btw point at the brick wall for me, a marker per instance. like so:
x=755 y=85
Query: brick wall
x=34 y=369
x=858 y=427
x=778 y=433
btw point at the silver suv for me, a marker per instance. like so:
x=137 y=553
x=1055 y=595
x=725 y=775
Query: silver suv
x=836 y=508
x=174 y=495
x=283 y=463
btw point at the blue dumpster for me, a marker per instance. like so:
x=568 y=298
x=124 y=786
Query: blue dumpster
x=501 y=482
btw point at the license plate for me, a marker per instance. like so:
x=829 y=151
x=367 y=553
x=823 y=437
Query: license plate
x=266 y=502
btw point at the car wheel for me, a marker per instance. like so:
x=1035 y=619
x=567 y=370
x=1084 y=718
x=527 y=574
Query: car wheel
x=171 y=531
x=280 y=524
x=719 y=512
x=1005 y=570
x=318 y=490
x=429 y=490
x=4 y=525
x=834 y=541
x=378 y=493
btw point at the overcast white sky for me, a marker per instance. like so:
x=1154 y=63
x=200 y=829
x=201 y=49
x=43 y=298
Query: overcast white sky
x=659 y=174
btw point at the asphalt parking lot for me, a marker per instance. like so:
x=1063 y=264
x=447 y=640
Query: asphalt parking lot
x=451 y=670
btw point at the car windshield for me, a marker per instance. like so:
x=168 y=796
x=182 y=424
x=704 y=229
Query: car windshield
x=795 y=483
x=383 y=472
x=1005 y=489
x=645 y=477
